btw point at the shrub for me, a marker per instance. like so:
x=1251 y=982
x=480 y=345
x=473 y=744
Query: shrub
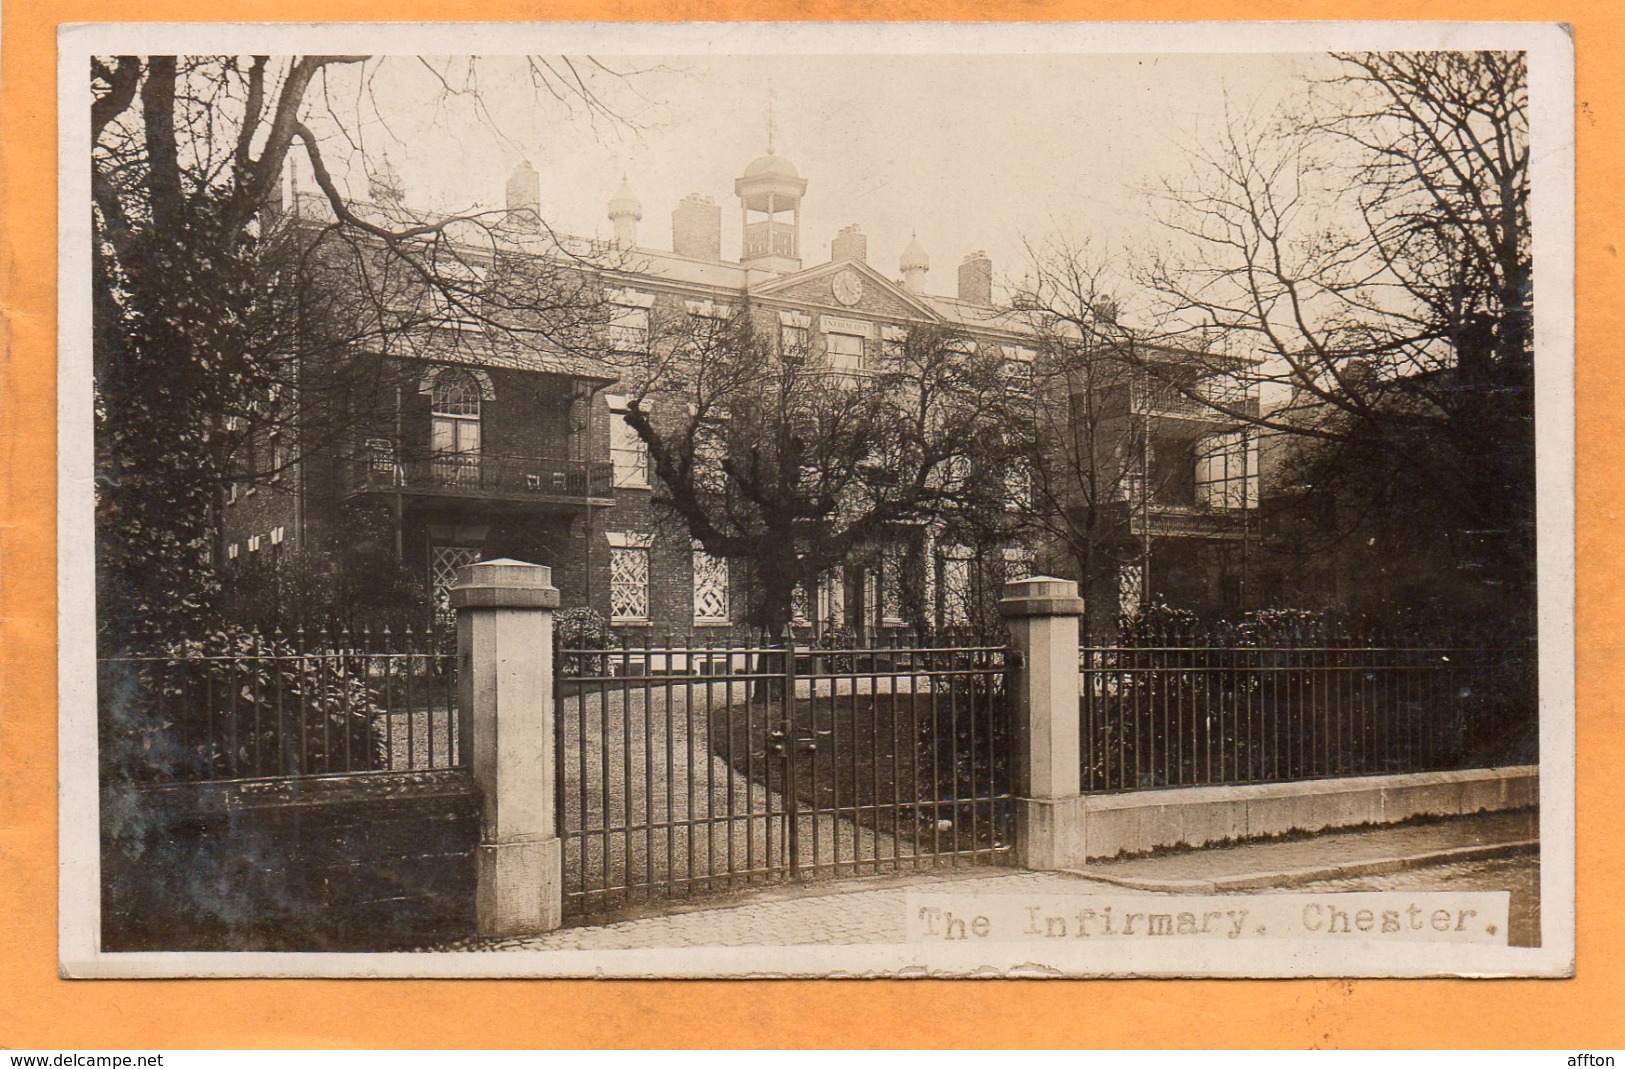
x=233 y=704
x=1157 y=625
x=581 y=628
x=1273 y=627
x=1282 y=693
x=836 y=636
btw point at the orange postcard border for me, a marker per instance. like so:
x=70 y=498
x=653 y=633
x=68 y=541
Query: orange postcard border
x=41 y=1010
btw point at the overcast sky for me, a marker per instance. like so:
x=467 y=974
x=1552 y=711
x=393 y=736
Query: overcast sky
x=969 y=151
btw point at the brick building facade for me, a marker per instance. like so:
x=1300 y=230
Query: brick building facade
x=469 y=452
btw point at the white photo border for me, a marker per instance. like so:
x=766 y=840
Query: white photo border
x=1551 y=72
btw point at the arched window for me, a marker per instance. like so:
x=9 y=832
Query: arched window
x=455 y=434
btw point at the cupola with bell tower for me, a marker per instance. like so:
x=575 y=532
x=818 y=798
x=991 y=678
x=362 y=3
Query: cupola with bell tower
x=914 y=263
x=770 y=194
x=624 y=212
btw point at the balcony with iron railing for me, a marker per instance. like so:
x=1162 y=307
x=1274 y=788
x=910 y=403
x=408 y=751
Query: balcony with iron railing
x=1203 y=402
x=503 y=477
x=1181 y=507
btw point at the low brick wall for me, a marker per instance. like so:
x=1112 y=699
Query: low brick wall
x=369 y=862
x=1111 y=824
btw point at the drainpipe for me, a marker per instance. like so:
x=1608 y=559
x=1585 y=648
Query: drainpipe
x=395 y=478
x=582 y=447
x=1145 y=492
x=592 y=536
x=1246 y=514
x=301 y=445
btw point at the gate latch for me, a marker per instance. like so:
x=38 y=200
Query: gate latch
x=805 y=741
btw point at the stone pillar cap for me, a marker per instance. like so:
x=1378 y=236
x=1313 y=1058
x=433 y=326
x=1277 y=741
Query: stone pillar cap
x=504 y=584
x=1041 y=595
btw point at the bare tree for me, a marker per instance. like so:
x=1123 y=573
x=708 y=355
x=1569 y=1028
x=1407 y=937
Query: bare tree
x=221 y=308
x=1086 y=458
x=1099 y=468
x=771 y=456
x=1375 y=252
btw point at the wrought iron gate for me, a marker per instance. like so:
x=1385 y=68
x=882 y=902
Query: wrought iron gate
x=690 y=770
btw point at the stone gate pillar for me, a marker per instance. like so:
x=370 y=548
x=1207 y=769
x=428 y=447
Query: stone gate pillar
x=505 y=706
x=1042 y=614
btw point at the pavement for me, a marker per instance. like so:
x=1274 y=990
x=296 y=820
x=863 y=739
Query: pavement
x=1496 y=851
x=1325 y=855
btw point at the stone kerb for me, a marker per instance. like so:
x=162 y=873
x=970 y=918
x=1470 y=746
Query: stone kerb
x=505 y=699
x=1043 y=614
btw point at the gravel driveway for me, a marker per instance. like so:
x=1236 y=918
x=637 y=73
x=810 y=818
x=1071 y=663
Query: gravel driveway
x=646 y=802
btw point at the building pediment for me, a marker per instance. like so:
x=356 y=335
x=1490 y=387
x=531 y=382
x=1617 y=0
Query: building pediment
x=847 y=288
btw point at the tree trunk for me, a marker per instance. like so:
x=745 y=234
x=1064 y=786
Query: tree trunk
x=776 y=580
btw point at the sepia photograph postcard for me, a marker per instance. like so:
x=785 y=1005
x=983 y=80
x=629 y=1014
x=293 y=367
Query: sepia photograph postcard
x=816 y=500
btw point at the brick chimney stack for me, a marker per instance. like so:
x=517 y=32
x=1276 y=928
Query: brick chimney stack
x=976 y=278
x=696 y=228
x=524 y=195
x=850 y=244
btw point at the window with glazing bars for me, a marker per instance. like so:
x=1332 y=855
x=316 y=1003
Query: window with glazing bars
x=793 y=341
x=956 y=591
x=628 y=452
x=844 y=352
x=629 y=583
x=443 y=564
x=628 y=328
x=891 y=585
x=1226 y=477
x=455 y=431
x=710 y=588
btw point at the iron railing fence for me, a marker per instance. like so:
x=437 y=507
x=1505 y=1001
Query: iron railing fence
x=691 y=769
x=379 y=469
x=242 y=705
x=1192 y=714
x=1165 y=398
x=812 y=638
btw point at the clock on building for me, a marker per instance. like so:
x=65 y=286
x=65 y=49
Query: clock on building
x=848 y=287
